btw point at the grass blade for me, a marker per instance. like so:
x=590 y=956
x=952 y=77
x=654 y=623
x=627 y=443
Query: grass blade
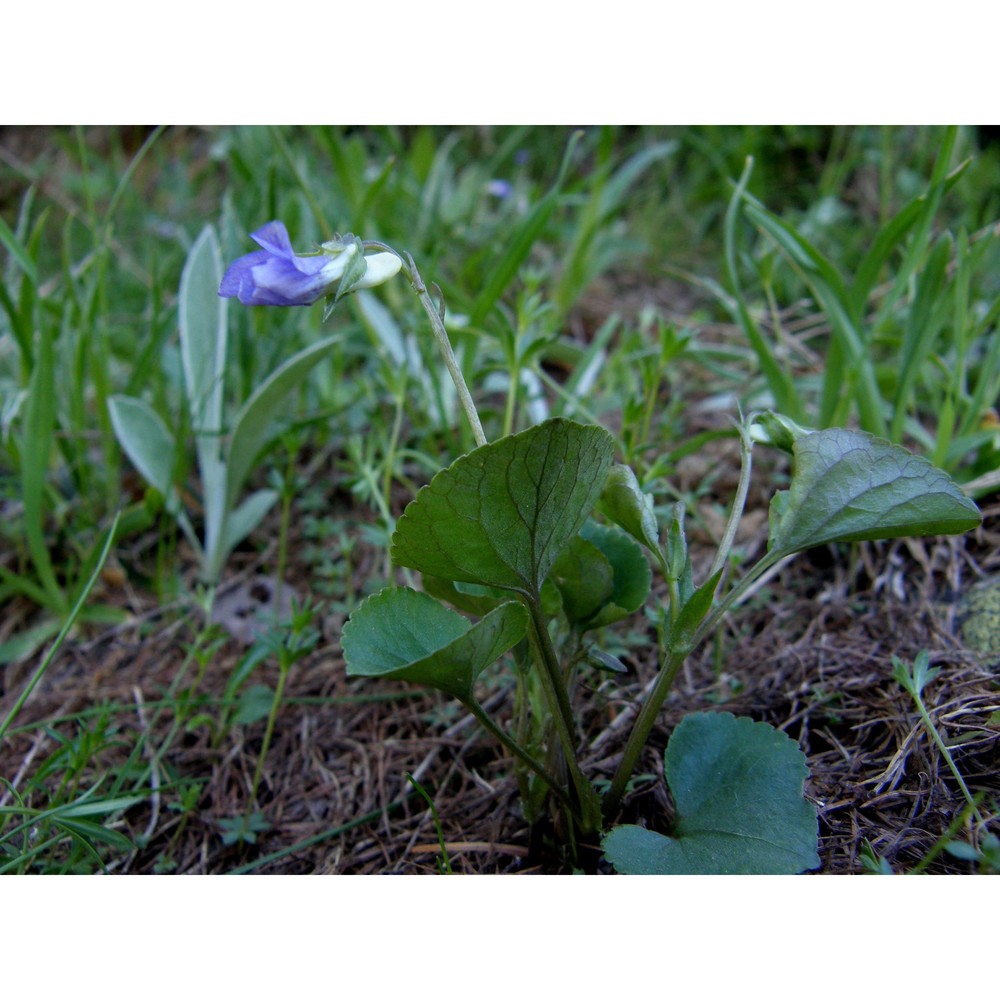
x=778 y=379
x=504 y=270
x=63 y=632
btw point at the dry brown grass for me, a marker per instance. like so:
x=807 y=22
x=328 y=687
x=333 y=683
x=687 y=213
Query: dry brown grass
x=811 y=654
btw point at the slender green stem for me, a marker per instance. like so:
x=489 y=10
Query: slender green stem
x=369 y=474
x=956 y=824
x=726 y=603
x=284 y=524
x=545 y=655
x=443 y=342
x=640 y=733
x=743 y=487
x=444 y=863
x=514 y=378
x=562 y=713
x=675 y=658
x=945 y=752
x=515 y=748
x=390 y=452
x=268 y=732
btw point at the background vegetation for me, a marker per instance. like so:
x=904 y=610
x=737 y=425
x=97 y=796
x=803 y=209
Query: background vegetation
x=650 y=279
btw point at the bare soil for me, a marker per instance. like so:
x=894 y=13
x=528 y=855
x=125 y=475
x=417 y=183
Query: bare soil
x=811 y=653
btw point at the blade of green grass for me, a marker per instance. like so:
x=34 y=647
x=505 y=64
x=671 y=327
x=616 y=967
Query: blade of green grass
x=922 y=327
x=36 y=448
x=503 y=270
x=70 y=620
x=777 y=376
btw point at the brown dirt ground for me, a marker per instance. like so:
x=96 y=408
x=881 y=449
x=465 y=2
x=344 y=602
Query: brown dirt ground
x=810 y=653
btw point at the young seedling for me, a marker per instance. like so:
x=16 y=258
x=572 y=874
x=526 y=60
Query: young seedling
x=913 y=679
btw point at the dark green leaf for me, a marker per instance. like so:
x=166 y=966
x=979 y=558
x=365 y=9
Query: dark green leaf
x=584 y=578
x=631 y=578
x=500 y=515
x=849 y=486
x=407 y=635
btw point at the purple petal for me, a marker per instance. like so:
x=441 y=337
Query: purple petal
x=276 y=275
x=274 y=237
x=280 y=282
x=238 y=277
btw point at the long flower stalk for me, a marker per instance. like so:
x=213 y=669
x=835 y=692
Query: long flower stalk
x=436 y=317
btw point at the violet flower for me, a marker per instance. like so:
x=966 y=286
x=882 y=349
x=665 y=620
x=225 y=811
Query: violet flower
x=277 y=276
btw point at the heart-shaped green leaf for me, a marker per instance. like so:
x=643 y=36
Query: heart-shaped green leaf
x=631 y=578
x=406 y=635
x=500 y=515
x=253 y=425
x=848 y=486
x=737 y=787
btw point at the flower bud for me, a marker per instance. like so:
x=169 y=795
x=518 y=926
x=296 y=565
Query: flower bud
x=776 y=430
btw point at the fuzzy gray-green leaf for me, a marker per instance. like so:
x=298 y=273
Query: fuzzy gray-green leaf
x=202 y=320
x=253 y=426
x=145 y=439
